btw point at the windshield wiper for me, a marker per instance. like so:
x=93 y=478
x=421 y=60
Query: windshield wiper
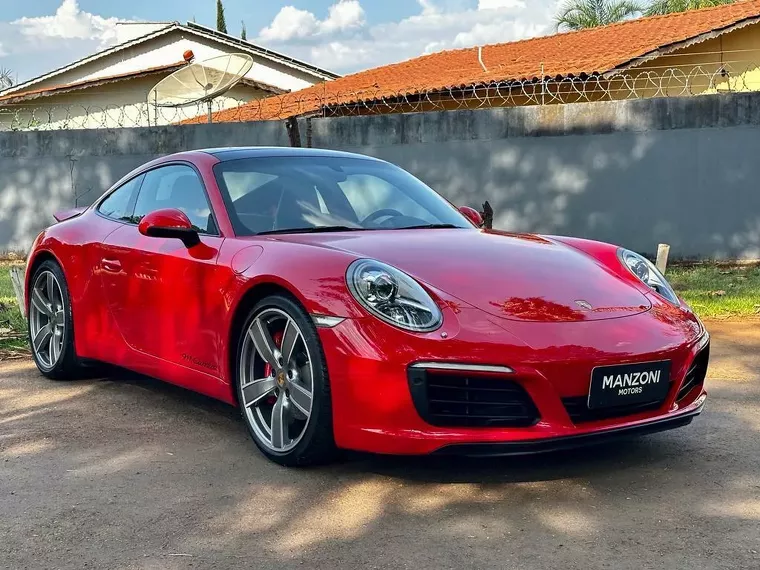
x=431 y=227
x=321 y=229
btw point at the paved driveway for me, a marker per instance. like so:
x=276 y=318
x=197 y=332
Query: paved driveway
x=132 y=473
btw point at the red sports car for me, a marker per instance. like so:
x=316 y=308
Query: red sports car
x=341 y=303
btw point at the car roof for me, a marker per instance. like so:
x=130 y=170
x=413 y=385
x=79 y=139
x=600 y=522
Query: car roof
x=235 y=153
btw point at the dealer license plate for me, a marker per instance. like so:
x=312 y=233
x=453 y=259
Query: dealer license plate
x=629 y=384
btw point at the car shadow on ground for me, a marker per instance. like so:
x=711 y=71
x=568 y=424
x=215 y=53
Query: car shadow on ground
x=608 y=456
x=128 y=472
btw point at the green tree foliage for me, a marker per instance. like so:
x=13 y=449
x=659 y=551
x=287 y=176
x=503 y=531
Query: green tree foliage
x=243 y=33
x=580 y=14
x=221 y=24
x=659 y=7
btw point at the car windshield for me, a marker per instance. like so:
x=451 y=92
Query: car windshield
x=303 y=194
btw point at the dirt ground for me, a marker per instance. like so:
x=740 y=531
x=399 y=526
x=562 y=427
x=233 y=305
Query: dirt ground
x=130 y=473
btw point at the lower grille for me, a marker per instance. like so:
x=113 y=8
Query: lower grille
x=446 y=399
x=578 y=410
x=696 y=374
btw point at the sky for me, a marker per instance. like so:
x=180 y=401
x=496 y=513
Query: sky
x=340 y=35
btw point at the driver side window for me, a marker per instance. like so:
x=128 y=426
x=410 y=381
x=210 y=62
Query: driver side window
x=176 y=186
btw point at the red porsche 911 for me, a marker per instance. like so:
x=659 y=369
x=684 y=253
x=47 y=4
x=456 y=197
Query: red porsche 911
x=343 y=304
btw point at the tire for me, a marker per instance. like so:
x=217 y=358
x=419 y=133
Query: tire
x=289 y=381
x=63 y=363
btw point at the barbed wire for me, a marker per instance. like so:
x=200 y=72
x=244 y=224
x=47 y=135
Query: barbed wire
x=327 y=100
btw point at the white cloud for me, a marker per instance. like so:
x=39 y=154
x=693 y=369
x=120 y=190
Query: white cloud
x=428 y=7
x=292 y=23
x=70 y=22
x=341 y=55
x=440 y=24
x=500 y=4
x=33 y=46
x=491 y=33
x=2 y=51
x=344 y=15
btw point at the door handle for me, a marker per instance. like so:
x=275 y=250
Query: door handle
x=111 y=265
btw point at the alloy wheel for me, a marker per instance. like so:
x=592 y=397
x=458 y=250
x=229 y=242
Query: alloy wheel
x=276 y=377
x=46 y=319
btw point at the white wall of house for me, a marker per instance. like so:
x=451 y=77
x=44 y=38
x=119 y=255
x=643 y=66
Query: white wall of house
x=168 y=49
x=124 y=103
x=114 y=105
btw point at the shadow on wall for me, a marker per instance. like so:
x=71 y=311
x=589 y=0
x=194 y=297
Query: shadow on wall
x=692 y=188
x=37 y=179
x=33 y=189
x=634 y=173
x=30 y=189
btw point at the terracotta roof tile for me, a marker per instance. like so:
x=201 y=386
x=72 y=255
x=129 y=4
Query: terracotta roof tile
x=596 y=50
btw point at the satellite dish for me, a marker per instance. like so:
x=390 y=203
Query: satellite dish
x=200 y=82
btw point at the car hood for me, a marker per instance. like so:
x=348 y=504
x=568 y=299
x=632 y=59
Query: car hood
x=514 y=276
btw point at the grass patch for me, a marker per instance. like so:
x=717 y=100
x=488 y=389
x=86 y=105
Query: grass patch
x=718 y=291
x=10 y=346
x=10 y=316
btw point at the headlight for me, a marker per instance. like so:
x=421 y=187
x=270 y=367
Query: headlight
x=645 y=270
x=393 y=296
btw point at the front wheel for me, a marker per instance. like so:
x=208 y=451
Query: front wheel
x=282 y=383
x=51 y=326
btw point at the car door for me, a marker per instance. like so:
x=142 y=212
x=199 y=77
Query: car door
x=97 y=336
x=164 y=295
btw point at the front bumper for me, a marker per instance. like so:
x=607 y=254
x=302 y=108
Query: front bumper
x=373 y=408
x=547 y=445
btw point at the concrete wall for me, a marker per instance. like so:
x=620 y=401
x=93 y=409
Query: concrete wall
x=682 y=171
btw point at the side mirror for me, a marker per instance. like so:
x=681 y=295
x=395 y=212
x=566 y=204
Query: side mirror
x=472 y=215
x=169 y=223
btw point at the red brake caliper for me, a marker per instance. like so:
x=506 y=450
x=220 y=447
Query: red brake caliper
x=268 y=371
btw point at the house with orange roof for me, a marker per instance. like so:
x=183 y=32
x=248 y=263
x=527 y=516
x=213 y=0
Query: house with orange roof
x=712 y=50
x=110 y=88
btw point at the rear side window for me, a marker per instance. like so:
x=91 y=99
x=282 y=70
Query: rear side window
x=118 y=205
x=176 y=186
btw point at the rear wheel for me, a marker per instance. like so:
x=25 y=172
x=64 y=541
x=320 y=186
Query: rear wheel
x=50 y=324
x=283 y=386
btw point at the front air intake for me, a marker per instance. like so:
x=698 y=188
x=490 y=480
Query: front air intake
x=454 y=399
x=696 y=375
